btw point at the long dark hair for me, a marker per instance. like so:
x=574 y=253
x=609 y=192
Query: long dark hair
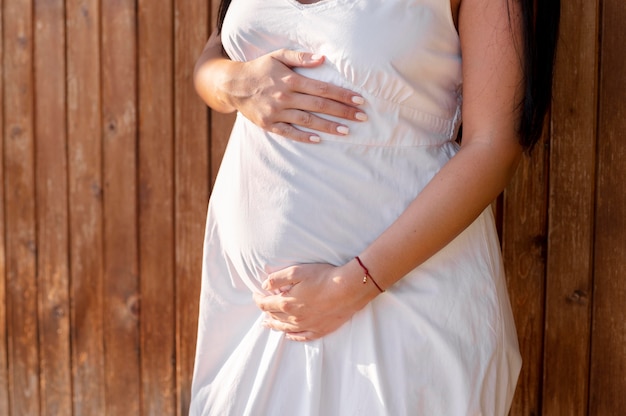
x=221 y=13
x=540 y=30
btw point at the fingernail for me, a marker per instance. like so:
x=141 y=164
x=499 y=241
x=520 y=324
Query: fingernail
x=361 y=116
x=315 y=139
x=265 y=324
x=285 y=288
x=358 y=100
x=343 y=130
x=316 y=56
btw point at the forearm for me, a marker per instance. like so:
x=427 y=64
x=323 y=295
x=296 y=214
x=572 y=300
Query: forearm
x=315 y=299
x=454 y=198
x=211 y=75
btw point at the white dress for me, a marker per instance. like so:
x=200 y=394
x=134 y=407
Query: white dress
x=441 y=341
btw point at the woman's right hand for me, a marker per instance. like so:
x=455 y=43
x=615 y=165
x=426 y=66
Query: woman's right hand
x=272 y=95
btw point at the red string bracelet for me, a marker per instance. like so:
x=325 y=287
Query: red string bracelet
x=368 y=275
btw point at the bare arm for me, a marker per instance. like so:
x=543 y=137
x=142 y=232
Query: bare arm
x=269 y=93
x=489 y=155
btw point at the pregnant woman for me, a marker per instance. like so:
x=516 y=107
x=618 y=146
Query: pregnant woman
x=351 y=262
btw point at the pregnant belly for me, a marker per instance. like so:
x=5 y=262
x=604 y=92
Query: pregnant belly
x=277 y=202
x=269 y=219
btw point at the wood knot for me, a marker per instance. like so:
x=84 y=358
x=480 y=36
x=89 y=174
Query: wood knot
x=16 y=132
x=58 y=311
x=579 y=297
x=133 y=305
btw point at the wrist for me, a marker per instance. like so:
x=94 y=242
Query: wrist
x=351 y=278
x=367 y=277
x=228 y=82
x=212 y=80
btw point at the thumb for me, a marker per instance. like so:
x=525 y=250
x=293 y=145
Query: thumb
x=293 y=58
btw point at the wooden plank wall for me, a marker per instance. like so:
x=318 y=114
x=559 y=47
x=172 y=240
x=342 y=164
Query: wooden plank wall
x=608 y=325
x=570 y=214
x=106 y=163
x=104 y=178
x=564 y=234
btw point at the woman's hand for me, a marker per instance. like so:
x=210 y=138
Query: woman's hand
x=313 y=300
x=272 y=95
x=269 y=93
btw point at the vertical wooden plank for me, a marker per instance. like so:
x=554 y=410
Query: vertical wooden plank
x=524 y=249
x=156 y=206
x=570 y=239
x=4 y=347
x=121 y=280
x=608 y=358
x=85 y=202
x=52 y=219
x=191 y=183
x=20 y=209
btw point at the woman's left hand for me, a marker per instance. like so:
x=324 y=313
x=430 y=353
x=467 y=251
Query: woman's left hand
x=313 y=300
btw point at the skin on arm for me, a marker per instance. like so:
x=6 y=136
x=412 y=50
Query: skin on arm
x=322 y=297
x=269 y=93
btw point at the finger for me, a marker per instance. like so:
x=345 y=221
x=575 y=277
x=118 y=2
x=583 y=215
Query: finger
x=301 y=336
x=280 y=279
x=292 y=119
x=316 y=88
x=303 y=117
x=299 y=118
x=275 y=304
x=281 y=326
x=321 y=105
x=294 y=59
x=267 y=303
x=290 y=132
x=281 y=317
x=310 y=86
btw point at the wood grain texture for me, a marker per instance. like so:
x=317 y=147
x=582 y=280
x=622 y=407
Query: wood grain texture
x=85 y=206
x=19 y=148
x=121 y=274
x=571 y=206
x=524 y=250
x=106 y=162
x=608 y=358
x=191 y=184
x=4 y=363
x=52 y=205
x=156 y=206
